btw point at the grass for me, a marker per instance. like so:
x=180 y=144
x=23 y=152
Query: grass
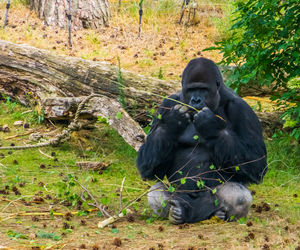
x=46 y=174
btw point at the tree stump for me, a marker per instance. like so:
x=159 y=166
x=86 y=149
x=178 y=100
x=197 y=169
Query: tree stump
x=85 y=13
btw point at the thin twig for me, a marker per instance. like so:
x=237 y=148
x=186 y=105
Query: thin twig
x=45 y=154
x=121 y=192
x=11 y=202
x=15 y=136
x=97 y=204
x=27 y=111
x=115 y=218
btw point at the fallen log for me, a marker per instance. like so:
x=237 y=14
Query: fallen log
x=25 y=69
x=101 y=106
x=58 y=83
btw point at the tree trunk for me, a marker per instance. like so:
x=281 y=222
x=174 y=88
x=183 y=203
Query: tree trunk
x=46 y=76
x=85 y=13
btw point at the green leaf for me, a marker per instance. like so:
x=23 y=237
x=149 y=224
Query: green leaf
x=200 y=184
x=102 y=119
x=14 y=234
x=216 y=202
x=46 y=235
x=171 y=189
x=212 y=167
x=119 y=115
x=159 y=117
x=51 y=212
x=183 y=181
x=196 y=137
x=179 y=172
x=87 y=179
x=214 y=190
x=237 y=168
x=114 y=230
x=242 y=220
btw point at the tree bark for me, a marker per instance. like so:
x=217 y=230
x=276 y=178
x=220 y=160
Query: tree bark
x=50 y=77
x=85 y=13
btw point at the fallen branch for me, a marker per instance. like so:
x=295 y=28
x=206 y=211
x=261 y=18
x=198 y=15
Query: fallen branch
x=113 y=219
x=15 y=136
x=96 y=204
x=124 y=211
x=7 y=216
x=115 y=115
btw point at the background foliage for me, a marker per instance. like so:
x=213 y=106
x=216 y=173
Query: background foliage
x=264 y=45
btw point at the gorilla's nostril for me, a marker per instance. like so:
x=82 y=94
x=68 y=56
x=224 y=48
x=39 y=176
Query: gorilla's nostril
x=195 y=100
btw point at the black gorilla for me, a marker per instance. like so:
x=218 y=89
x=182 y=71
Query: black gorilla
x=209 y=155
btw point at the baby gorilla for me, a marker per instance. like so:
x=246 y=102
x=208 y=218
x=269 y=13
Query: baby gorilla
x=234 y=201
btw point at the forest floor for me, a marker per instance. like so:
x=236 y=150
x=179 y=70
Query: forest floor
x=40 y=205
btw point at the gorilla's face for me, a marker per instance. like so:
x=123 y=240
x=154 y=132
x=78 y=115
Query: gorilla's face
x=200 y=84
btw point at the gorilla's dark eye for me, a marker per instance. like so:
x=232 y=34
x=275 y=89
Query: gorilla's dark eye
x=218 y=84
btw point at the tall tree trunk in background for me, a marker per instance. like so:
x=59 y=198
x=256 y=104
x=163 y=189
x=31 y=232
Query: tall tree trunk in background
x=85 y=13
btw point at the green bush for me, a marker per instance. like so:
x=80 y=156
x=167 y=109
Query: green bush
x=264 y=46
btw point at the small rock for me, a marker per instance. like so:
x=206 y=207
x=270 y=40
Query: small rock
x=32 y=236
x=5 y=128
x=18 y=123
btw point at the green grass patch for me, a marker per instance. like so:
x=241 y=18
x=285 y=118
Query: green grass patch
x=42 y=180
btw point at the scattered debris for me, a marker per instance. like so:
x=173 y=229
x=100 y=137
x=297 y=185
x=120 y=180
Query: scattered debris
x=5 y=128
x=18 y=123
x=89 y=165
x=117 y=242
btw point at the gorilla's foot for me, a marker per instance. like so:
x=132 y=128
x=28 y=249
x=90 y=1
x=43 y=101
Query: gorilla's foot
x=176 y=213
x=221 y=214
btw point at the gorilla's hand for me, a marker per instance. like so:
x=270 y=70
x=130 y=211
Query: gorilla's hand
x=177 y=118
x=208 y=124
x=177 y=212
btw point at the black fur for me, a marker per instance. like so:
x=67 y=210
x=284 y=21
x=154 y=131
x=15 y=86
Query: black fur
x=220 y=143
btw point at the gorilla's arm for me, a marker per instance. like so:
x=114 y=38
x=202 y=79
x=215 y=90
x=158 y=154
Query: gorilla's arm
x=156 y=153
x=237 y=144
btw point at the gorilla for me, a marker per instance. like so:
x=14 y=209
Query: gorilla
x=208 y=143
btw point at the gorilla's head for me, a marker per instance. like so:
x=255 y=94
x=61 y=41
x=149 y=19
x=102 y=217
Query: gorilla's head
x=201 y=80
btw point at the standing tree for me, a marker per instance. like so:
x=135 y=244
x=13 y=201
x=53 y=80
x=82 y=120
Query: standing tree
x=85 y=13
